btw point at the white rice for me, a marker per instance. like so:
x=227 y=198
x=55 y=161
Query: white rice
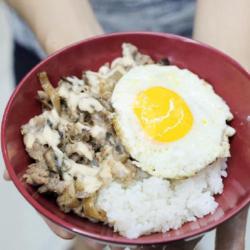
x=158 y=205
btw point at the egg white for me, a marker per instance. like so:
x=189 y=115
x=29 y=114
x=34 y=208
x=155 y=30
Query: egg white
x=204 y=143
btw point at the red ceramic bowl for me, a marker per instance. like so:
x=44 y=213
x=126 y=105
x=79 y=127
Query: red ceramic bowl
x=229 y=79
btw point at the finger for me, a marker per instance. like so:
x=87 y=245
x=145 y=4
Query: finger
x=59 y=231
x=233 y=229
x=6 y=176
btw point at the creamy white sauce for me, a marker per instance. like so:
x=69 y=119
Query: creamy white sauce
x=98 y=132
x=89 y=104
x=82 y=148
x=91 y=184
x=81 y=100
x=93 y=79
x=44 y=136
x=80 y=126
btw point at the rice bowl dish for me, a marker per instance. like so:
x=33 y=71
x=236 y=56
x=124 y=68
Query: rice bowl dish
x=157 y=205
x=81 y=154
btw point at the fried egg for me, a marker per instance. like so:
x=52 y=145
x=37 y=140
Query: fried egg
x=171 y=122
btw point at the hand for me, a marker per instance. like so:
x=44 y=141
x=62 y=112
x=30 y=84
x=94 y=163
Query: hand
x=230 y=235
x=59 y=231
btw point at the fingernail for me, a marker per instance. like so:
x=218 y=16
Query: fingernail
x=6 y=176
x=66 y=235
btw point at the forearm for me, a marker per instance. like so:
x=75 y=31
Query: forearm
x=225 y=24
x=58 y=23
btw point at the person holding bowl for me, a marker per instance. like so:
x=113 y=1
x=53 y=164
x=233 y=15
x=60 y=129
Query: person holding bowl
x=59 y=23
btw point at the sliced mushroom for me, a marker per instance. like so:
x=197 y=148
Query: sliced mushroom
x=44 y=99
x=164 y=61
x=50 y=90
x=79 y=186
x=91 y=211
x=67 y=200
x=50 y=159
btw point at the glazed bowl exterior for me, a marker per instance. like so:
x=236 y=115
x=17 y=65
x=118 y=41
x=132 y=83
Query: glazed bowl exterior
x=228 y=78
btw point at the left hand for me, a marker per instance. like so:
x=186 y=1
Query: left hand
x=59 y=231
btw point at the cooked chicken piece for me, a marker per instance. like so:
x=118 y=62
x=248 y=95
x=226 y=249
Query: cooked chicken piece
x=54 y=185
x=37 y=174
x=35 y=123
x=79 y=187
x=127 y=60
x=99 y=133
x=84 y=188
x=79 y=210
x=93 y=80
x=91 y=185
x=70 y=133
x=77 y=105
x=131 y=57
x=87 y=175
x=67 y=200
x=104 y=69
x=130 y=51
x=141 y=59
x=81 y=148
x=50 y=159
x=121 y=171
x=132 y=169
x=118 y=170
x=108 y=81
x=110 y=166
x=100 y=128
x=81 y=127
x=41 y=129
x=105 y=173
x=37 y=151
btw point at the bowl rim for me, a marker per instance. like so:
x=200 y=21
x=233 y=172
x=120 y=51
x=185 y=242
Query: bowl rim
x=76 y=229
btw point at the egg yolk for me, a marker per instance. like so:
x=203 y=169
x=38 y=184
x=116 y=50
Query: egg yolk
x=163 y=114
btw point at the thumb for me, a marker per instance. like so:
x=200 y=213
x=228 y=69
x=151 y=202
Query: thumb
x=6 y=176
x=59 y=231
